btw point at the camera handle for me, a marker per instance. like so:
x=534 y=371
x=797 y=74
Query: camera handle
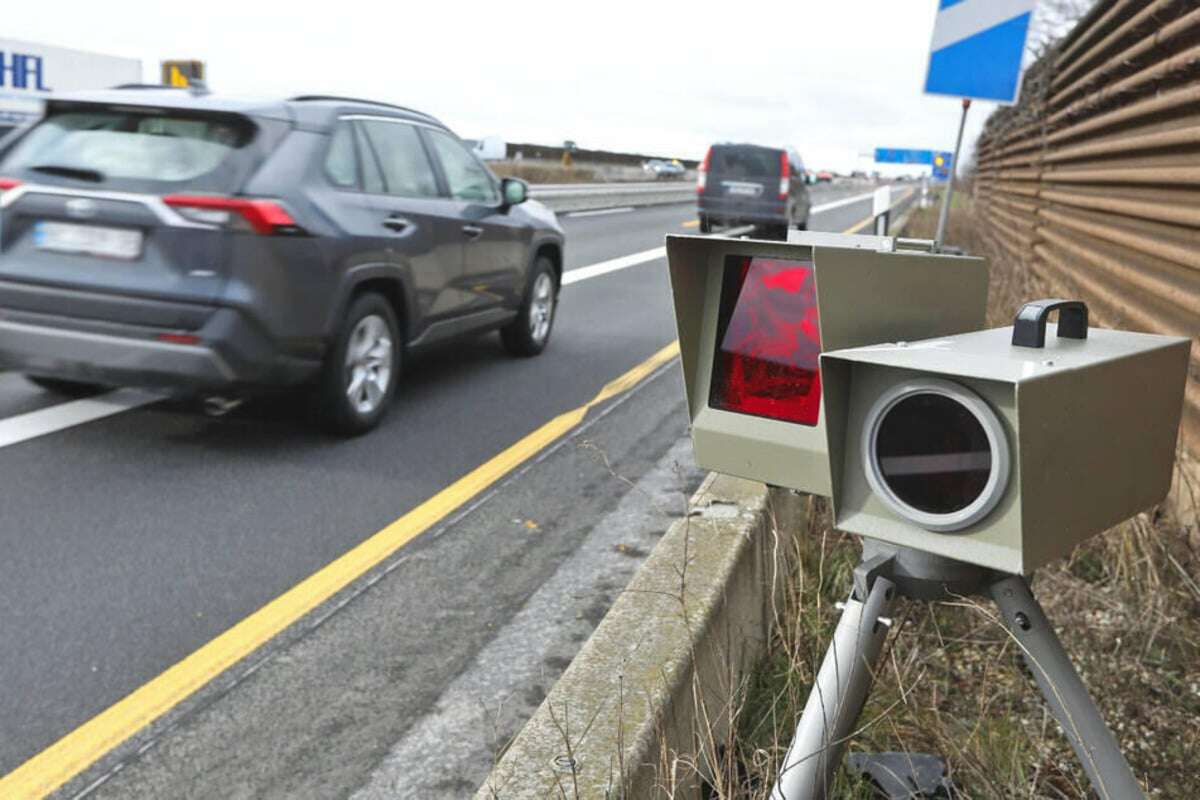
x=1029 y=326
x=844 y=681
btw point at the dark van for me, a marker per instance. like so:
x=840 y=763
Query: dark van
x=745 y=184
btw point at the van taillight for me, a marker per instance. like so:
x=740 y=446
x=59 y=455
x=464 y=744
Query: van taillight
x=702 y=173
x=784 y=179
x=769 y=341
x=8 y=183
x=262 y=216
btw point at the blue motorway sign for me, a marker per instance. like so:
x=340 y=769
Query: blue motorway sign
x=938 y=160
x=896 y=155
x=977 y=48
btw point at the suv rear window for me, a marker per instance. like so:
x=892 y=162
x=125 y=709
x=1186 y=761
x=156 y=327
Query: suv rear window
x=131 y=148
x=744 y=162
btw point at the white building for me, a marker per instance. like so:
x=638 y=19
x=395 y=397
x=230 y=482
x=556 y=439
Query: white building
x=31 y=72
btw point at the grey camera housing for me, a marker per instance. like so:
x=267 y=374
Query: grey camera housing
x=1089 y=428
x=868 y=289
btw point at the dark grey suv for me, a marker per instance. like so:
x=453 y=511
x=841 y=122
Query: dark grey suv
x=169 y=238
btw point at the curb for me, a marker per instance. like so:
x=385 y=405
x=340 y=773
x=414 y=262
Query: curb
x=656 y=667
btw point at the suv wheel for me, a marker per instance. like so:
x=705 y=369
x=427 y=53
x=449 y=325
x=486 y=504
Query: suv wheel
x=528 y=334
x=362 y=368
x=65 y=388
x=705 y=224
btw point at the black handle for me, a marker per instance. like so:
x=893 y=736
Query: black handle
x=397 y=223
x=1029 y=327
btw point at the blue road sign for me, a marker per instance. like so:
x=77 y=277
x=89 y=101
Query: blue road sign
x=977 y=48
x=939 y=160
x=942 y=166
x=894 y=155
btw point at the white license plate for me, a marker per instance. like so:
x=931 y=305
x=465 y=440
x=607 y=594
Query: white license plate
x=63 y=237
x=744 y=189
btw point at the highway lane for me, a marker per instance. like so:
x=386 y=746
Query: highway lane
x=135 y=539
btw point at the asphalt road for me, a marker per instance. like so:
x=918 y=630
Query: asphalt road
x=133 y=540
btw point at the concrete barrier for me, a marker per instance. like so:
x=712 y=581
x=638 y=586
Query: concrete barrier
x=671 y=652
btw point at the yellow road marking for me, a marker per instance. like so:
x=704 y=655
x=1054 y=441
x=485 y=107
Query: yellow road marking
x=858 y=226
x=79 y=749
x=691 y=223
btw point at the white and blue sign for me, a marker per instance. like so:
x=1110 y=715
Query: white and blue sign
x=977 y=49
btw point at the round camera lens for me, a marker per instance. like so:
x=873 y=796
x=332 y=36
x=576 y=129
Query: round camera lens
x=933 y=453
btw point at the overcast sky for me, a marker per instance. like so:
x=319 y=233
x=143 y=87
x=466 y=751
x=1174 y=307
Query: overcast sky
x=834 y=78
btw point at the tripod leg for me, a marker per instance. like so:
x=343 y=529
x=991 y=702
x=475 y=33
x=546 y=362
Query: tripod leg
x=837 y=697
x=1065 y=693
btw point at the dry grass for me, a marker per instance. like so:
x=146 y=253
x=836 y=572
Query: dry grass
x=1127 y=608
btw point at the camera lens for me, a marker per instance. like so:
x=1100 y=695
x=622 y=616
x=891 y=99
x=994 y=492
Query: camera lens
x=933 y=453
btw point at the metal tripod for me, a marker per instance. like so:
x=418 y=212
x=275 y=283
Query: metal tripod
x=844 y=680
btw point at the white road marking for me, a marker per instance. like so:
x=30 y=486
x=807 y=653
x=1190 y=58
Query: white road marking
x=845 y=201
x=599 y=212
x=33 y=424
x=632 y=260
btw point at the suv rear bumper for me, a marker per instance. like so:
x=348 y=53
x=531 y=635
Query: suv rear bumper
x=229 y=353
x=100 y=358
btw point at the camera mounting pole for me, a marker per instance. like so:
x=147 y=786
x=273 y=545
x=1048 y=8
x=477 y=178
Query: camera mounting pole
x=844 y=681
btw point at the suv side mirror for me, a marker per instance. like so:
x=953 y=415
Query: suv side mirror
x=514 y=190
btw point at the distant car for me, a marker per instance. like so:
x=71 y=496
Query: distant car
x=746 y=184
x=171 y=238
x=824 y=177
x=661 y=168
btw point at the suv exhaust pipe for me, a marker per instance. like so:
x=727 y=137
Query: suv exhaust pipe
x=217 y=406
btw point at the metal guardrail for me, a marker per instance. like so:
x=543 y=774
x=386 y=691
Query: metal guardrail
x=583 y=196
x=1094 y=177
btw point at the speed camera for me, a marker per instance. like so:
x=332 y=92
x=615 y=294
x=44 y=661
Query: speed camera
x=754 y=316
x=1007 y=447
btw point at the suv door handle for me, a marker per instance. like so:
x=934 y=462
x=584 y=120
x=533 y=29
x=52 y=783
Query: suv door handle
x=472 y=231
x=397 y=223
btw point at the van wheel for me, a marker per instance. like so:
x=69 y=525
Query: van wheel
x=529 y=333
x=776 y=232
x=65 y=388
x=361 y=370
x=705 y=224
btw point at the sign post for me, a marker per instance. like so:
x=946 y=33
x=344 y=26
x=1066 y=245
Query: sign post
x=976 y=54
x=944 y=215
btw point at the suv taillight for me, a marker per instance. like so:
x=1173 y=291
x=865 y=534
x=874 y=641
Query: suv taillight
x=784 y=180
x=264 y=217
x=702 y=173
x=8 y=183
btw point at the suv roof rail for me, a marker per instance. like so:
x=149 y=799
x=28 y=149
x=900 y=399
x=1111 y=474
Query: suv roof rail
x=144 y=86
x=309 y=98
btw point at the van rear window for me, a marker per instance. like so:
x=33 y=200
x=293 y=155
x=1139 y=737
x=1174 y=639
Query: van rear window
x=744 y=162
x=131 y=148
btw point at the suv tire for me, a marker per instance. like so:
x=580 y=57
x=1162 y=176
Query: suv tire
x=705 y=224
x=362 y=368
x=529 y=333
